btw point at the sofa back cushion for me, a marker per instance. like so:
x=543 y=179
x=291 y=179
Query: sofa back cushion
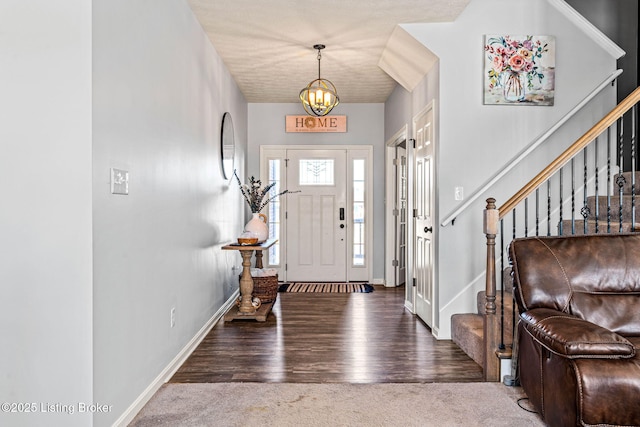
x=596 y=277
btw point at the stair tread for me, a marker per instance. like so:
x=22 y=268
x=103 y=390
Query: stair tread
x=600 y=221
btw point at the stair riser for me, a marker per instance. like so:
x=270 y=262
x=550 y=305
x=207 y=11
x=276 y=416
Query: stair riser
x=626 y=188
x=591 y=227
x=615 y=208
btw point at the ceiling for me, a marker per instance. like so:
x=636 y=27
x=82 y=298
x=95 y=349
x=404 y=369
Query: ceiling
x=268 y=45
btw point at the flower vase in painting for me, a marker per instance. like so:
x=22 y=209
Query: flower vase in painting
x=513 y=86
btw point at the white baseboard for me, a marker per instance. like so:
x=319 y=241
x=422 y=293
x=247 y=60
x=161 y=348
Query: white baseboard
x=378 y=282
x=435 y=331
x=409 y=306
x=173 y=366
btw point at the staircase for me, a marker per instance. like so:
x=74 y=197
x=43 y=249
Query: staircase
x=467 y=329
x=604 y=213
x=591 y=196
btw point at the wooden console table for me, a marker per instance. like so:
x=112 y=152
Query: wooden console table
x=245 y=309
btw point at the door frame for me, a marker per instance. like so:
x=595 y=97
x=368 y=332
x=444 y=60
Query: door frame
x=390 y=196
x=436 y=220
x=354 y=273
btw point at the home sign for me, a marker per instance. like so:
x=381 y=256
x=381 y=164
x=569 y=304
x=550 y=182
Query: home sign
x=316 y=124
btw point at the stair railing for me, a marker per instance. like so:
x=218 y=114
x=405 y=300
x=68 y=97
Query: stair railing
x=579 y=206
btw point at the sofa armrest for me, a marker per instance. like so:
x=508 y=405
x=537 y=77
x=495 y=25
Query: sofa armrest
x=572 y=337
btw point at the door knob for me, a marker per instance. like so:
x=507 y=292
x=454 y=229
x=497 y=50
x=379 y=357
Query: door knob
x=428 y=229
x=341 y=225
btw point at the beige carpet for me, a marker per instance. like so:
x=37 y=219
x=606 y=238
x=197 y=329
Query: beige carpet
x=277 y=404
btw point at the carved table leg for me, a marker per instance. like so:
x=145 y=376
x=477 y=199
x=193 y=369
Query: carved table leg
x=258 y=259
x=246 y=285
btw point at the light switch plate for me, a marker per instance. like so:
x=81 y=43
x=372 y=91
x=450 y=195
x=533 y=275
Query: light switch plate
x=459 y=193
x=119 y=181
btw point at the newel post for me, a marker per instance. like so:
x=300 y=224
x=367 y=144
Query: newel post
x=491 y=327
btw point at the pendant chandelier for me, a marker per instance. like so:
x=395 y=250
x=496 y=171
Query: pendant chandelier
x=320 y=96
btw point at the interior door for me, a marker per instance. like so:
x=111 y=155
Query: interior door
x=316 y=215
x=400 y=213
x=423 y=217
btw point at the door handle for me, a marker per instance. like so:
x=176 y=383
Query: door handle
x=341 y=214
x=341 y=225
x=428 y=229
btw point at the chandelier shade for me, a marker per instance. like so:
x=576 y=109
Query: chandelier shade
x=320 y=95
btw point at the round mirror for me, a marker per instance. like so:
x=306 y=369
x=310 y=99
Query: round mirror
x=227 y=145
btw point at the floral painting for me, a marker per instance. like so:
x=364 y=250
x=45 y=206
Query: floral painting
x=519 y=70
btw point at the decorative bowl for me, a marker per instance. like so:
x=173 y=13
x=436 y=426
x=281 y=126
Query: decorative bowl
x=247 y=240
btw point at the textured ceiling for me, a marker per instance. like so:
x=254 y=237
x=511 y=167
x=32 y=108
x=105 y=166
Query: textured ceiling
x=268 y=45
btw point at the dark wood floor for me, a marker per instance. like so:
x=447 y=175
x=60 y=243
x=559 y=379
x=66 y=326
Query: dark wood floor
x=329 y=338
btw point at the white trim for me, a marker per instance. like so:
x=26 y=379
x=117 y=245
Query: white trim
x=264 y=177
x=588 y=28
x=166 y=374
x=355 y=272
x=409 y=306
x=410 y=289
x=398 y=137
x=435 y=331
x=378 y=282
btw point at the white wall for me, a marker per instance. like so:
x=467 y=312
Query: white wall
x=159 y=93
x=365 y=126
x=475 y=140
x=397 y=112
x=45 y=209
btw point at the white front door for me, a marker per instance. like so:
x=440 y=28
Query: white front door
x=317 y=215
x=423 y=239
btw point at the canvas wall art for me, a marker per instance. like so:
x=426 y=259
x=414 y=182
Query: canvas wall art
x=519 y=70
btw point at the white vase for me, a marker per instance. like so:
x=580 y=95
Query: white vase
x=258 y=226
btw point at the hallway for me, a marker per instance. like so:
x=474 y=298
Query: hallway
x=329 y=338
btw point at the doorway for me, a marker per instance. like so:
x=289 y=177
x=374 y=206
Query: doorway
x=324 y=226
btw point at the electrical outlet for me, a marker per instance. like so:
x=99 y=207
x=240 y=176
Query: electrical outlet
x=173 y=317
x=459 y=193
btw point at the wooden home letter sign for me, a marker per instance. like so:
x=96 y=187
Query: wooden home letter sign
x=316 y=124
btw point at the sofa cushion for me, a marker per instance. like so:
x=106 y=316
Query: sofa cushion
x=595 y=277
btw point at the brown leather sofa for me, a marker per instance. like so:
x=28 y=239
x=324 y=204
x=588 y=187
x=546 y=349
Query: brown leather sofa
x=579 y=328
